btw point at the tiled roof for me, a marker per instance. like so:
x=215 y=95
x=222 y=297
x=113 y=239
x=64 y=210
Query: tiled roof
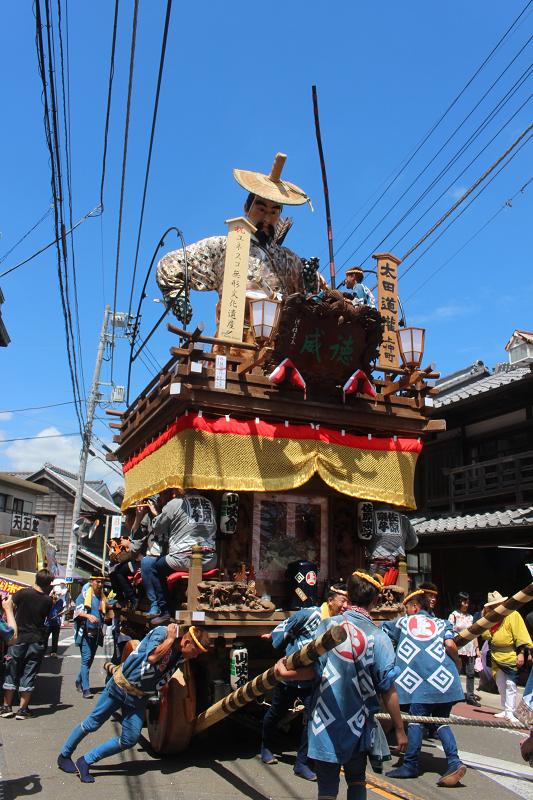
x=89 y=495
x=485 y=383
x=496 y=519
x=70 y=480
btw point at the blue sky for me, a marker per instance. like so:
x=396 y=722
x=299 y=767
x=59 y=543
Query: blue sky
x=236 y=90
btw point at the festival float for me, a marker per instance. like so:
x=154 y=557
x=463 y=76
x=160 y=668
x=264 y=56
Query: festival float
x=301 y=420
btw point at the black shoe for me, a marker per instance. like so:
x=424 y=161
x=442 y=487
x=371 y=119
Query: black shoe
x=79 y=687
x=83 y=771
x=477 y=696
x=163 y=619
x=66 y=764
x=24 y=713
x=473 y=702
x=87 y=694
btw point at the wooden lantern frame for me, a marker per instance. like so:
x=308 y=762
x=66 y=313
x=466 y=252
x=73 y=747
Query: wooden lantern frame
x=411 y=364
x=263 y=338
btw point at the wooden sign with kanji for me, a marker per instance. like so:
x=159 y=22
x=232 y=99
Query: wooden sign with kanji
x=387 y=270
x=235 y=277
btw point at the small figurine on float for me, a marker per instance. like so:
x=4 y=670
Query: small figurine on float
x=270 y=264
x=388 y=535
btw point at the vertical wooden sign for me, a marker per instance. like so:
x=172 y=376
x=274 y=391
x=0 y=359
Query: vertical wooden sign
x=387 y=270
x=235 y=277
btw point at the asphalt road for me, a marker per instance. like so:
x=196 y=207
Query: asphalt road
x=224 y=765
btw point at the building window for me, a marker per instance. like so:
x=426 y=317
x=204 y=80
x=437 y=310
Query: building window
x=18 y=505
x=3 y=502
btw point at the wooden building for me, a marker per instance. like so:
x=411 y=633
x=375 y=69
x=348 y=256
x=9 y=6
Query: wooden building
x=19 y=499
x=55 y=506
x=474 y=483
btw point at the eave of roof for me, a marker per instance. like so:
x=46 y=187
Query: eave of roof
x=507 y=518
x=20 y=483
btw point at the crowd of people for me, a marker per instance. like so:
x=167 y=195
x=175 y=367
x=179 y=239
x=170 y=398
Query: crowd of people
x=411 y=663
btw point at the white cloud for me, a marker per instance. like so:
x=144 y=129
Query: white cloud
x=63 y=451
x=5 y=415
x=455 y=194
x=443 y=313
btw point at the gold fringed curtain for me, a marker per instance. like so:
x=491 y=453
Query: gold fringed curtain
x=247 y=456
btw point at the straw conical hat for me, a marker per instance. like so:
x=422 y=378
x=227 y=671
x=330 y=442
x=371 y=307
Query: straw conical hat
x=271 y=187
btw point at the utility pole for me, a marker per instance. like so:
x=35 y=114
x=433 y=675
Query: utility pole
x=86 y=443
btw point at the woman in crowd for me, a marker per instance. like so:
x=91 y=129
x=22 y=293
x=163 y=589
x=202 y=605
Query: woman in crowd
x=53 y=621
x=461 y=619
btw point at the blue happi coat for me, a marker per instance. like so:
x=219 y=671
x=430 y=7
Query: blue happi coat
x=349 y=680
x=295 y=632
x=426 y=673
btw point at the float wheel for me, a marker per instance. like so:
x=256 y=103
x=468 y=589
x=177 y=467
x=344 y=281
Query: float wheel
x=129 y=647
x=170 y=721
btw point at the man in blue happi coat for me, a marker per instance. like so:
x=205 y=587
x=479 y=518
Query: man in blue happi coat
x=428 y=663
x=347 y=684
x=146 y=670
x=293 y=634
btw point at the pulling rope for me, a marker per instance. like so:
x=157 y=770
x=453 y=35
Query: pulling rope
x=453 y=720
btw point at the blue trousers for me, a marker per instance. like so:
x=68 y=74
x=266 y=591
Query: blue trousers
x=88 y=648
x=283 y=700
x=132 y=722
x=328 y=777
x=415 y=733
x=154 y=573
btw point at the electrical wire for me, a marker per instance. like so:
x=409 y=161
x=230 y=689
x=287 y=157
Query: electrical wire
x=110 y=87
x=52 y=140
x=38 y=253
x=464 y=209
x=124 y=158
x=483 y=125
x=436 y=124
x=154 y=120
x=469 y=192
x=35 y=408
x=522 y=81
x=507 y=204
x=3 y=258
x=66 y=92
x=30 y=438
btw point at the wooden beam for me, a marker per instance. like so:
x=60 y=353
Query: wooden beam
x=255 y=360
x=211 y=339
x=114 y=413
x=116 y=425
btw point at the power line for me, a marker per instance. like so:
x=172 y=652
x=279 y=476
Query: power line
x=111 y=75
x=484 y=124
x=464 y=209
x=35 y=408
x=38 y=253
x=469 y=192
x=435 y=126
x=68 y=161
x=507 y=204
x=52 y=140
x=30 y=438
x=124 y=157
x=474 y=136
x=154 y=119
x=26 y=235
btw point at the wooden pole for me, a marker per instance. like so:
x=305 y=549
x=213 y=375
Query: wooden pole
x=307 y=655
x=326 y=191
x=195 y=577
x=496 y=615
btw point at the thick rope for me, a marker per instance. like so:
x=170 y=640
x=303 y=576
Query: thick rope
x=453 y=720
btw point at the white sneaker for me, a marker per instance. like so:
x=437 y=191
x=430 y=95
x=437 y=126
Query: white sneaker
x=511 y=718
x=501 y=715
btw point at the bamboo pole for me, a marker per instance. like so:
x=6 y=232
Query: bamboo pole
x=307 y=655
x=496 y=615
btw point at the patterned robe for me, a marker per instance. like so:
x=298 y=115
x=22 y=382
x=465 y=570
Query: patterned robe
x=427 y=674
x=279 y=267
x=295 y=632
x=350 y=679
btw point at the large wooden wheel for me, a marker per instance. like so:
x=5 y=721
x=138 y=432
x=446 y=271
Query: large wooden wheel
x=170 y=721
x=129 y=647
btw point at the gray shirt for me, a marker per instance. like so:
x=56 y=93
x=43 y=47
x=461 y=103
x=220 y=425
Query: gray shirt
x=187 y=521
x=393 y=535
